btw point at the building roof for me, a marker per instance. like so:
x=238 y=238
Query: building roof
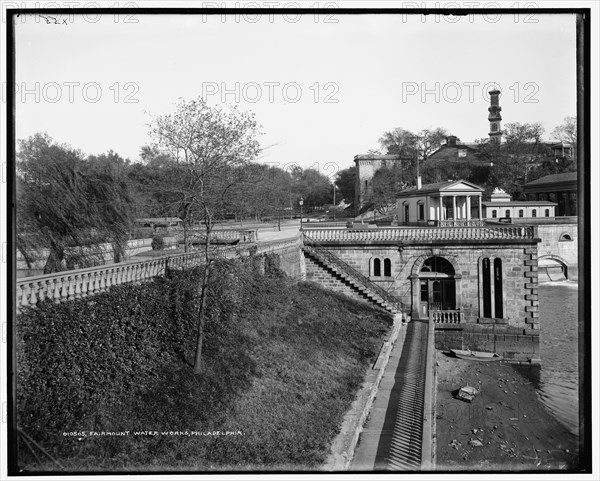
x=438 y=187
x=377 y=157
x=515 y=203
x=555 y=178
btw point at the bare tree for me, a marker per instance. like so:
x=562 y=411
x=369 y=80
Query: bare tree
x=209 y=145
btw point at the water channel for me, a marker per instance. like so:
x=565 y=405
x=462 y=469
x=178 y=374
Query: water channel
x=557 y=379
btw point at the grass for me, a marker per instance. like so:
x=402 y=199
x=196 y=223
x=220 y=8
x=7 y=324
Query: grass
x=280 y=374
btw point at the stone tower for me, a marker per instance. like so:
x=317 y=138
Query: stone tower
x=366 y=166
x=494 y=117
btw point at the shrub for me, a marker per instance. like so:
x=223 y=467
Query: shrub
x=158 y=243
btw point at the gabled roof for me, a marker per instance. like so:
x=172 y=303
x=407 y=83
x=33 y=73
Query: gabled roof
x=449 y=186
x=555 y=178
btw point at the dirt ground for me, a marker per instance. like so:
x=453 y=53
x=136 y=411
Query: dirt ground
x=504 y=428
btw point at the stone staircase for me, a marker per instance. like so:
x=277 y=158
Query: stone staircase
x=355 y=279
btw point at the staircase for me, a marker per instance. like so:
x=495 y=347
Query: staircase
x=357 y=280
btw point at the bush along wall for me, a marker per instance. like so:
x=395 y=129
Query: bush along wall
x=107 y=383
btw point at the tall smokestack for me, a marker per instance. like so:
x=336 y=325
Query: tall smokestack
x=494 y=117
x=419 y=182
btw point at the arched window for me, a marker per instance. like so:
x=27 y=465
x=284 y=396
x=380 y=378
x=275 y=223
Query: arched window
x=565 y=237
x=492 y=289
x=507 y=213
x=376 y=267
x=494 y=213
x=534 y=213
x=387 y=268
x=421 y=210
x=439 y=265
x=547 y=213
x=520 y=212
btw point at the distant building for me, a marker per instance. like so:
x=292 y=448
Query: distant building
x=501 y=206
x=366 y=166
x=558 y=188
x=453 y=203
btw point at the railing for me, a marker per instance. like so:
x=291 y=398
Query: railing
x=319 y=251
x=80 y=283
x=408 y=234
x=446 y=317
x=199 y=236
x=461 y=223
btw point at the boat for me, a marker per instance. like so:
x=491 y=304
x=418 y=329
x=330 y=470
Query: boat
x=476 y=355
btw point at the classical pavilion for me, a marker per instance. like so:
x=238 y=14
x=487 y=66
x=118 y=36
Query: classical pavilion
x=445 y=204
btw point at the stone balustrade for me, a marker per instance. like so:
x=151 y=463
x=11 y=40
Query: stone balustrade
x=79 y=283
x=446 y=317
x=398 y=234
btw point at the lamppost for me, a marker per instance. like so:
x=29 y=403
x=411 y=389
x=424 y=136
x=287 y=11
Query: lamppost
x=301 y=202
x=334 y=204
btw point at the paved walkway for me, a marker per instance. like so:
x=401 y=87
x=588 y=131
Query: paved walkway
x=391 y=438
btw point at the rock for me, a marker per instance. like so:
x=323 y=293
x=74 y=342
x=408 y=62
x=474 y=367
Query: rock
x=467 y=393
x=489 y=408
x=475 y=442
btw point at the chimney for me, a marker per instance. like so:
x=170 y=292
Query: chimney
x=451 y=141
x=494 y=117
x=419 y=182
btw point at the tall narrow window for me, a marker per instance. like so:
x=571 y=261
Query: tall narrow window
x=421 y=212
x=520 y=212
x=487 y=288
x=534 y=213
x=387 y=267
x=494 y=213
x=498 y=288
x=547 y=213
x=507 y=213
x=376 y=267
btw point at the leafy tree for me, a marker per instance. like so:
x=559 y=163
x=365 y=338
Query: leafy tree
x=346 y=184
x=210 y=146
x=412 y=148
x=386 y=183
x=567 y=133
x=69 y=205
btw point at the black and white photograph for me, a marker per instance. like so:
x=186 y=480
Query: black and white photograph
x=317 y=239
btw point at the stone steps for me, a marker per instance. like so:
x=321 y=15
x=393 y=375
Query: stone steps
x=357 y=285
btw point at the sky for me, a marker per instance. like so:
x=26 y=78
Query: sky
x=324 y=88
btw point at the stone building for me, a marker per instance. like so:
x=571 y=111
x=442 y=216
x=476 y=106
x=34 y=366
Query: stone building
x=453 y=203
x=366 y=166
x=502 y=207
x=558 y=188
x=479 y=285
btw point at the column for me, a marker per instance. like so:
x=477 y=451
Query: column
x=480 y=214
x=454 y=207
x=468 y=207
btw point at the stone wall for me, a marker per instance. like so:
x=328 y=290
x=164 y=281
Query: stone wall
x=554 y=246
x=519 y=265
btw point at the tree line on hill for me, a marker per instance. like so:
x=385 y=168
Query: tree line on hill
x=201 y=167
x=522 y=157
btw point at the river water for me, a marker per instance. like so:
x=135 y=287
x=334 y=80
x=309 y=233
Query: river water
x=557 y=377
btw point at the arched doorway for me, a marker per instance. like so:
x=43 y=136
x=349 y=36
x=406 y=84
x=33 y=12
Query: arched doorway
x=437 y=286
